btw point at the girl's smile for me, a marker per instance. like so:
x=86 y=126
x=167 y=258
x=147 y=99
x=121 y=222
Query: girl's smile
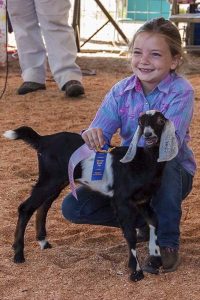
x=152 y=60
x=142 y=70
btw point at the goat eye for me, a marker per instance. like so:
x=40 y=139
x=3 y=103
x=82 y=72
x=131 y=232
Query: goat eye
x=160 y=122
x=140 y=122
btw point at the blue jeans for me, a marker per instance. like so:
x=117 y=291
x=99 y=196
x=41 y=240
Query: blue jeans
x=94 y=208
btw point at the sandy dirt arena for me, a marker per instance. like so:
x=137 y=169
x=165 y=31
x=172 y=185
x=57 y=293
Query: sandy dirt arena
x=86 y=262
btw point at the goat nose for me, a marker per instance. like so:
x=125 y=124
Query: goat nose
x=148 y=134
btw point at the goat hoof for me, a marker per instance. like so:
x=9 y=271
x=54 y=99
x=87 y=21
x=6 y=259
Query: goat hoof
x=19 y=259
x=136 y=276
x=152 y=264
x=47 y=246
x=150 y=269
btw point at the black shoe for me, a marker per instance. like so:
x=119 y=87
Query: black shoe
x=170 y=259
x=29 y=87
x=143 y=234
x=73 y=88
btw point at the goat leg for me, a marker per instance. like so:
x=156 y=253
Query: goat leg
x=24 y=216
x=153 y=262
x=127 y=217
x=42 y=193
x=41 y=232
x=41 y=220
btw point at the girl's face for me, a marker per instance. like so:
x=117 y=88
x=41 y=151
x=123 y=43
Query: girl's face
x=152 y=59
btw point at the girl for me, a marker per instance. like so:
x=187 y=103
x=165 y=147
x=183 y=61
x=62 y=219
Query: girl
x=156 y=54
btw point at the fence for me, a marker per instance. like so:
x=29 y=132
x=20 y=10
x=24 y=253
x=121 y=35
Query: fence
x=128 y=14
x=92 y=18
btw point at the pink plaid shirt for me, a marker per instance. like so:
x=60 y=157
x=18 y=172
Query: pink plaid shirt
x=174 y=97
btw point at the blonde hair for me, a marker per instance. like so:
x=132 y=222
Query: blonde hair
x=169 y=32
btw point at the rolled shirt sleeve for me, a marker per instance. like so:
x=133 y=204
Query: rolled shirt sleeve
x=107 y=117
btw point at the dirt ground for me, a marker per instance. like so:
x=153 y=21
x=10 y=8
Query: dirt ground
x=86 y=262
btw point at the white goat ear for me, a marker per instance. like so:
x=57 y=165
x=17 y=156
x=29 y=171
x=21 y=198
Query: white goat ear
x=168 y=144
x=130 y=154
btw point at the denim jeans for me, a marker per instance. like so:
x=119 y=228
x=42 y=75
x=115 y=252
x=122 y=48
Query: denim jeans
x=94 y=208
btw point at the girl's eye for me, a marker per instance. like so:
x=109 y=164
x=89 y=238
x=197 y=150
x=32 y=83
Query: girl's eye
x=156 y=54
x=136 y=52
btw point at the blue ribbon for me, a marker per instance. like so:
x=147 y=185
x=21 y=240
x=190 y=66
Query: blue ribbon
x=99 y=164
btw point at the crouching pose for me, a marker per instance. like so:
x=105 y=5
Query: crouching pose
x=130 y=177
x=156 y=54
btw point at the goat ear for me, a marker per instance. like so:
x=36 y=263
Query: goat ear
x=168 y=144
x=130 y=154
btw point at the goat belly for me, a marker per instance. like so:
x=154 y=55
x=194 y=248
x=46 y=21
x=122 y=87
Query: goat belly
x=136 y=180
x=103 y=186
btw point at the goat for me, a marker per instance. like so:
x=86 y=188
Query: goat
x=131 y=177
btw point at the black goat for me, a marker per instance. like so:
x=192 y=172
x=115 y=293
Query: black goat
x=132 y=175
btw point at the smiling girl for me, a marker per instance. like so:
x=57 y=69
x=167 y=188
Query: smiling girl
x=155 y=85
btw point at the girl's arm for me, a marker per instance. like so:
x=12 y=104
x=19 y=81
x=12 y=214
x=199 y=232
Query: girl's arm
x=105 y=123
x=180 y=111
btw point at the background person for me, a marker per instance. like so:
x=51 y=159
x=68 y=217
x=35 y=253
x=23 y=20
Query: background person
x=33 y=20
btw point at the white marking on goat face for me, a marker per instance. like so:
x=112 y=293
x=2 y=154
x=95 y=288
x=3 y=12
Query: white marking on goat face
x=133 y=251
x=149 y=129
x=42 y=244
x=150 y=112
x=103 y=186
x=153 y=248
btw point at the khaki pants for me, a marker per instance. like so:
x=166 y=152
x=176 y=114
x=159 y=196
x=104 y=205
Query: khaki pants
x=41 y=30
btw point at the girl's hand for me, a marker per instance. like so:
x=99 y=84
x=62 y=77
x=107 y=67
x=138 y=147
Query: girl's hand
x=93 y=137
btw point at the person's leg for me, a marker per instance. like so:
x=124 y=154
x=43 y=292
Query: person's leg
x=94 y=208
x=59 y=39
x=90 y=208
x=176 y=185
x=30 y=46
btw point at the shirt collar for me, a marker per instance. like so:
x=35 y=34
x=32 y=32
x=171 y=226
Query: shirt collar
x=163 y=86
